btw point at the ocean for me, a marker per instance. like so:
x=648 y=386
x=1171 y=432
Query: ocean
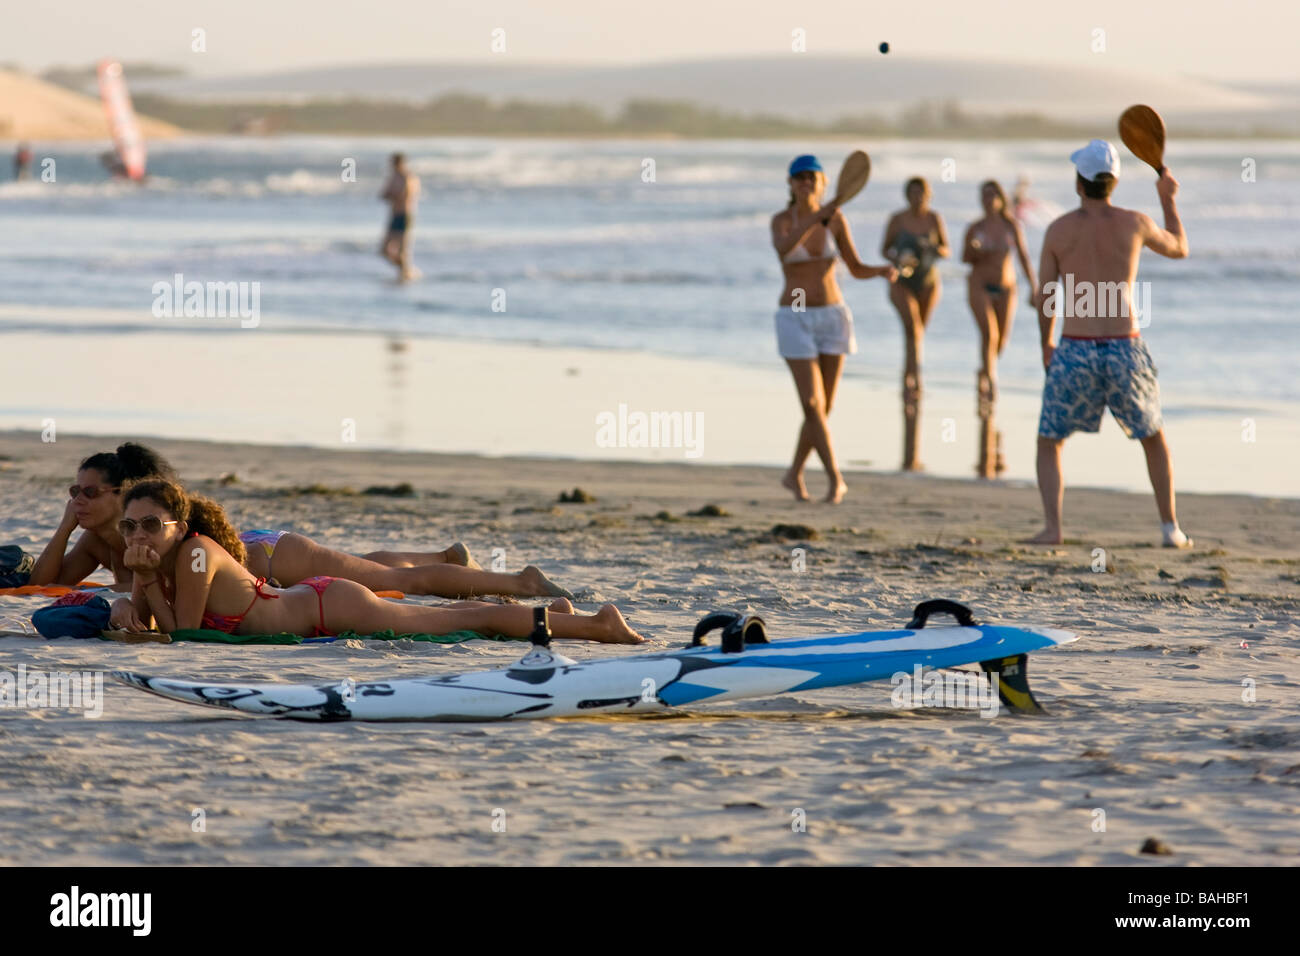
x=566 y=243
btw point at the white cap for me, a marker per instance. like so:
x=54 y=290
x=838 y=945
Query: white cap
x=1097 y=157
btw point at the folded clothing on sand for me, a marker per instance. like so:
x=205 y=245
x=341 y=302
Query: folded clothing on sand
x=77 y=614
x=15 y=566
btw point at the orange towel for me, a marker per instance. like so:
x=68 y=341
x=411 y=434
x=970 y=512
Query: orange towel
x=45 y=590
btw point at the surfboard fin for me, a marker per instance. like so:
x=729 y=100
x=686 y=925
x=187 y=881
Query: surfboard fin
x=1013 y=683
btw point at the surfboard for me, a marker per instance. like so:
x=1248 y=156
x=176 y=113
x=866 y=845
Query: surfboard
x=544 y=683
x=122 y=125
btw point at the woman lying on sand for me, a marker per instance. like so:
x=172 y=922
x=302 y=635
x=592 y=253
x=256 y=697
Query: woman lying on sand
x=280 y=556
x=187 y=573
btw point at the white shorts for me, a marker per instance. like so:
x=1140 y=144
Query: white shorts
x=818 y=330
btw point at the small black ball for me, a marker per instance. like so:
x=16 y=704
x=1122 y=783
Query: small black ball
x=884 y=48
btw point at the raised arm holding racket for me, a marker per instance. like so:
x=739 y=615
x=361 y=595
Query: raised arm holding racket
x=814 y=328
x=1089 y=277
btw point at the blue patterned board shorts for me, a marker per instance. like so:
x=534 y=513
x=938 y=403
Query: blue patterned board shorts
x=1088 y=375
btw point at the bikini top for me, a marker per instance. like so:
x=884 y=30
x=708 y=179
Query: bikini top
x=228 y=624
x=800 y=254
x=921 y=245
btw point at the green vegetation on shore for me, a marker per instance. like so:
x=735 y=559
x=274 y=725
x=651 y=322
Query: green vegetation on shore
x=465 y=115
x=459 y=114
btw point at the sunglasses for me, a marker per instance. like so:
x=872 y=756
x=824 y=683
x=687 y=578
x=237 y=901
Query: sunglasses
x=91 y=492
x=151 y=524
x=807 y=176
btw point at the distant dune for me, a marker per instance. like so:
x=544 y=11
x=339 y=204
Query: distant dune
x=803 y=87
x=31 y=109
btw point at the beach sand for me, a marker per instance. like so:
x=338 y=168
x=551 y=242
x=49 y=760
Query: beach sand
x=420 y=393
x=1146 y=718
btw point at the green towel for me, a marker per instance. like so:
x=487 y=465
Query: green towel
x=221 y=637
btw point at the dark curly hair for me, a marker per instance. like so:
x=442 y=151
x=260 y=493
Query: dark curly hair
x=203 y=515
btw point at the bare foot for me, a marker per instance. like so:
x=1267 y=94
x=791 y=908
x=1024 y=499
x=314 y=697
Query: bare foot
x=614 y=629
x=1046 y=536
x=915 y=467
x=459 y=554
x=561 y=606
x=539 y=585
x=794 y=482
x=836 y=493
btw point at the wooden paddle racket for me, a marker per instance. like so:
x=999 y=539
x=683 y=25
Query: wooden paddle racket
x=853 y=176
x=1143 y=132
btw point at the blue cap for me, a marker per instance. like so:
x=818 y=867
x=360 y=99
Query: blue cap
x=802 y=163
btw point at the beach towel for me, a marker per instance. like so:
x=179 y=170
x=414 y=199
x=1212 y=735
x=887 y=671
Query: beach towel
x=205 y=636
x=45 y=590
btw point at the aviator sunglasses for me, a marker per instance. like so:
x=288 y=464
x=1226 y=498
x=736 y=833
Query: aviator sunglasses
x=151 y=524
x=90 y=491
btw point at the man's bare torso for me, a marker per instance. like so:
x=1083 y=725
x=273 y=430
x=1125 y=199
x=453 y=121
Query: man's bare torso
x=1097 y=252
x=402 y=192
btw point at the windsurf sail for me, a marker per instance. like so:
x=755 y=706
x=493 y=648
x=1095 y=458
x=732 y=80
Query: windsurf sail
x=122 y=125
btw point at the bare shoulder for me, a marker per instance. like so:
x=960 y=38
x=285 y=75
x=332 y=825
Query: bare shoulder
x=1138 y=220
x=192 y=547
x=1062 y=226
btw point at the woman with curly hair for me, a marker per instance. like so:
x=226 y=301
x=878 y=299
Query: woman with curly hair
x=95 y=506
x=188 y=573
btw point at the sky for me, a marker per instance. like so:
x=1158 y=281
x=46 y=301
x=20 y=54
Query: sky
x=1242 y=41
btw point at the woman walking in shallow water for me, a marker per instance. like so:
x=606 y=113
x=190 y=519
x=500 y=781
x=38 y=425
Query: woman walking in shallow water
x=991 y=287
x=814 y=328
x=914 y=239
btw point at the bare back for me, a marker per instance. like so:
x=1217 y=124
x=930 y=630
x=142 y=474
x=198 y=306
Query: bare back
x=1096 y=248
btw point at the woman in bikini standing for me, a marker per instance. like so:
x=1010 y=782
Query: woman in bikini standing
x=914 y=239
x=814 y=328
x=992 y=290
x=188 y=573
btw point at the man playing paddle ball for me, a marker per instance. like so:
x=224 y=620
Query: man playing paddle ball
x=400 y=192
x=1092 y=253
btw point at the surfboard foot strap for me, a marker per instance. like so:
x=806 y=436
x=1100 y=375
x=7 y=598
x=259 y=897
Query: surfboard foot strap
x=541 y=634
x=737 y=630
x=940 y=606
x=1013 y=683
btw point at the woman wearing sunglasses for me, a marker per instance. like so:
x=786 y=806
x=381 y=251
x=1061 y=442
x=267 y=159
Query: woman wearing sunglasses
x=814 y=328
x=95 y=505
x=188 y=573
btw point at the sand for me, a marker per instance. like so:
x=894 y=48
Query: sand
x=1146 y=722
x=522 y=399
x=34 y=110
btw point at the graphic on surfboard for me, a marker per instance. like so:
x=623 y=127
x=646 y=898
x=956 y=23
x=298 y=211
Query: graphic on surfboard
x=544 y=683
x=128 y=143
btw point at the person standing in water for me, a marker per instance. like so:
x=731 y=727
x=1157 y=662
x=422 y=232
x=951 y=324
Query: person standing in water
x=914 y=239
x=22 y=161
x=1101 y=360
x=991 y=290
x=814 y=328
x=401 y=192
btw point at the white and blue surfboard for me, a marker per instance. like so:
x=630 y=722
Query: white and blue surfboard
x=546 y=684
